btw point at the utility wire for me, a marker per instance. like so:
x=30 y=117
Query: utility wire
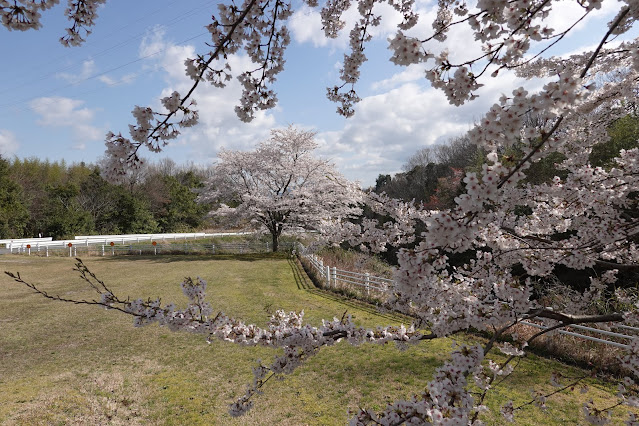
x=175 y=20
x=94 y=76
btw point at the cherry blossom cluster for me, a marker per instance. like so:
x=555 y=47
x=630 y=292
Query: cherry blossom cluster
x=344 y=94
x=83 y=14
x=255 y=26
x=406 y=50
x=153 y=130
x=25 y=15
x=458 y=88
x=507 y=222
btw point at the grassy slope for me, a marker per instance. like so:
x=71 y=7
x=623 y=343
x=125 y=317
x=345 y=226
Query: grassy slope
x=74 y=364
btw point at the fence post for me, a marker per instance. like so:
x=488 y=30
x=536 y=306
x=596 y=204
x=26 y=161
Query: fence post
x=328 y=276
x=367 y=282
x=102 y=249
x=213 y=248
x=47 y=247
x=334 y=276
x=75 y=251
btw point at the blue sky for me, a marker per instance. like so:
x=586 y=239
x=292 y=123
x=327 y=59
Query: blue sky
x=58 y=103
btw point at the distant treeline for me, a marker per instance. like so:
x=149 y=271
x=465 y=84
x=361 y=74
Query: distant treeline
x=59 y=200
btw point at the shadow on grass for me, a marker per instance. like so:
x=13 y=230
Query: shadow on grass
x=169 y=258
x=302 y=280
x=360 y=305
x=419 y=366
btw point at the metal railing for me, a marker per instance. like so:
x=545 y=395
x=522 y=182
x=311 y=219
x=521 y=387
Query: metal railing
x=332 y=277
x=593 y=330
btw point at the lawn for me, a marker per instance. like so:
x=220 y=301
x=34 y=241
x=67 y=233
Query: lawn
x=74 y=364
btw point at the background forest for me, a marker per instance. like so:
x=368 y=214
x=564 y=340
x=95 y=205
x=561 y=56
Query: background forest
x=60 y=200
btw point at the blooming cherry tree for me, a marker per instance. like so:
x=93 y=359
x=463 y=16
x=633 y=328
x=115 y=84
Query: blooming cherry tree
x=281 y=185
x=585 y=219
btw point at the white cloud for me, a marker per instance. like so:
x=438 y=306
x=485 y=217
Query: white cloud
x=8 y=143
x=87 y=70
x=391 y=126
x=414 y=72
x=306 y=26
x=403 y=115
x=565 y=13
x=65 y=112
x=125 y=79
x=90 y=71
x=388 y=127
x=153 y=42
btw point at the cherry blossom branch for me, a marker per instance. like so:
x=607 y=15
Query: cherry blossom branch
x=17 y=278
x=219 y=49
x=543 y=398
x=568 y=319
x=557 y=39
x=546 y=135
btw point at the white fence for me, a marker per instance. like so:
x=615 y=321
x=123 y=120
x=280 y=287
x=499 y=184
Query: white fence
x=17 y=241
x=40 y=245
x=169 y=246
x=333 y=277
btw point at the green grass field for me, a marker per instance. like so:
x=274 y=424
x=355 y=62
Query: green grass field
x=73 y=364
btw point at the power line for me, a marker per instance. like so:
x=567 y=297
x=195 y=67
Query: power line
x=94 y=76
x=171 y=22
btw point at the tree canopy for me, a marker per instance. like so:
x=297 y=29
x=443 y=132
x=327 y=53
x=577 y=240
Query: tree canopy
x=281 y=185
x=60 y=201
